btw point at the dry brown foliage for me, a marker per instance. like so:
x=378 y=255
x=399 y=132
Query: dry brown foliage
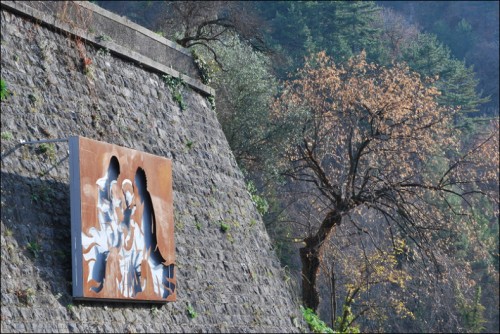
x=375 y=138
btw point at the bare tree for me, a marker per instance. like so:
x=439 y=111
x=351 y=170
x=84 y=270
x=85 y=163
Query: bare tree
x=397 y=32
x=203 y=23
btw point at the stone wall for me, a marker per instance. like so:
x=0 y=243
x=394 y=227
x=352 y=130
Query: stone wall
x=226 y=281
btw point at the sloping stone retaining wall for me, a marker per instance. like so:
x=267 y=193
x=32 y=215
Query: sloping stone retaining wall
x=226 y=281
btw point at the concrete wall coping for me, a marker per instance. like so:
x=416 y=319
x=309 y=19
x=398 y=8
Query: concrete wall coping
x=180 y=58
x=123 y=20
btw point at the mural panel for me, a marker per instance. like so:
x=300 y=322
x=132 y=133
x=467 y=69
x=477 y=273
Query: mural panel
x=122 y=223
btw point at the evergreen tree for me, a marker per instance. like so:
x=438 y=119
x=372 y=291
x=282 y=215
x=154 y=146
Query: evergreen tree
x=457 y=82
x=341 y=28
x=352 y=28
x=243 y=95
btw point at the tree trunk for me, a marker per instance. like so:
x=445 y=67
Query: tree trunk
x=333 y=297
x=310 y=265
x=310 y=256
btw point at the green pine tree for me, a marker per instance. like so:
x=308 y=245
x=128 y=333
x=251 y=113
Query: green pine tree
x=456 y=81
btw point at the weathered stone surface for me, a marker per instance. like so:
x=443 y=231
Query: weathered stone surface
x=233 y=280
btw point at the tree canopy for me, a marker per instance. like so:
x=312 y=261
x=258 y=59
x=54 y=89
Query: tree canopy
x=368 y=139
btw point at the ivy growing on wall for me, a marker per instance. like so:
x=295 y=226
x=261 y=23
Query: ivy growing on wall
x=175 y=85
x=204 y=69
x=4 y=92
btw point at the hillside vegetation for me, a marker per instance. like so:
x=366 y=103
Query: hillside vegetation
x=368 y=133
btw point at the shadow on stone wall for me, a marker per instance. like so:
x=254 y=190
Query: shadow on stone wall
x=37 y=228
x=36 y=214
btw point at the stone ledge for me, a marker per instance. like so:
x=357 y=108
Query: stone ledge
x=133 y=25
x=166 y=56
